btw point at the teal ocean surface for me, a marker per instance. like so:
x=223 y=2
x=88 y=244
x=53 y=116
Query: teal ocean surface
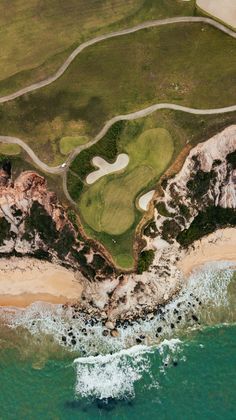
x=183 y=372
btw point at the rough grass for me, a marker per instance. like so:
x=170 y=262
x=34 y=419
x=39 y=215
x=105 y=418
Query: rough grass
x=32 y=30
x=69 y=143
x=189 y=64
x=32 y=50
x=9 y=149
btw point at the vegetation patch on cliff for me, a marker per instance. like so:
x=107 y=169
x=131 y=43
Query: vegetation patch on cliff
x=207 y=222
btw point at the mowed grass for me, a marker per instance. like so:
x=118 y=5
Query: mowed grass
x=187 y=64
x=10 y=149
x=69 y=143
x=37 y=36
x=109 y=204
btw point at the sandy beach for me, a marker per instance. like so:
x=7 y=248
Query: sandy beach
x=26 y=280
x=218 y=246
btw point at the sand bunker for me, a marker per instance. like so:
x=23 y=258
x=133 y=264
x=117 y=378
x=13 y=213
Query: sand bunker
x=224 y=10
x=145 y=200
x=27 y=280
x=106 y=168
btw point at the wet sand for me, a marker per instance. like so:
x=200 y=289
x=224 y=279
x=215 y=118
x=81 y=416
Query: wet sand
x=25 y=280
x=218 y=246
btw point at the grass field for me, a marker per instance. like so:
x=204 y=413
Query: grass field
x=189 y=64
x=36 y=44
x=9 y=149
x=69 y=143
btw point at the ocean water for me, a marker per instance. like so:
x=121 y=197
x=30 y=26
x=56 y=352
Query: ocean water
x=185 y=372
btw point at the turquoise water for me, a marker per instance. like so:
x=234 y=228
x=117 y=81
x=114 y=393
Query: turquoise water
x=189 y=373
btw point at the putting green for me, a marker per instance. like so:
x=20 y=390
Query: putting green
x=69 y=143
x=109 y=204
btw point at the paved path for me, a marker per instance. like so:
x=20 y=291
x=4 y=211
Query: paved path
x=126 y=117
x=80 y=48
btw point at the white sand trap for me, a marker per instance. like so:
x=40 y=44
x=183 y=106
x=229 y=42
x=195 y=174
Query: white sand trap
x=145 y=200
x=224 y=10
x=106 y=168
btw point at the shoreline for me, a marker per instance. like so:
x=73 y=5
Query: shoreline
x=26 y=280
x=217 y=246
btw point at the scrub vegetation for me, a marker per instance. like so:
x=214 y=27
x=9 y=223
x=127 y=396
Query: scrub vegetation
x=207 y=222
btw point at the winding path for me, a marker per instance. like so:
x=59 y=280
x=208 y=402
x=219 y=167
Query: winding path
x=126 y=117
x=62 y=169
x=80 y=48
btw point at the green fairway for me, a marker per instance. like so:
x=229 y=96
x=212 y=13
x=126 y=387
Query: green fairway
x=69 y=143
x=188 y=64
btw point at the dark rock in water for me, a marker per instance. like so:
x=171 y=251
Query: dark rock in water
x=157 y=335
x=159 y=329
x=63 y=339
x=84 y=330
x=70 y=333
x=195 y=318
x=138 y=340
x=172 y=326
x=179 y=317
x=106 y=403
x=142 y=336
x=176 y=311
x=175 y=363
x=73 y=341
x=105 y=333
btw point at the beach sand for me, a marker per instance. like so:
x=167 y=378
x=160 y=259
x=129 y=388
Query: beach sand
x=218 y=246
x=27 y=280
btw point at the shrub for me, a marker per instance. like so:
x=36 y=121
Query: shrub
x=207 y=222
x=145 y=260
x=231 y=158
x=199 y=184
x=4 y=230
x=162 y=210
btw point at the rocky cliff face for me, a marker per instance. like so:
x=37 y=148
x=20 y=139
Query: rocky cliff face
x=32 y=222
x=198 y=200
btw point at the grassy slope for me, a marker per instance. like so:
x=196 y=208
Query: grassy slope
x=182 y=127
x=67 y=144
x=33 y=46
x=48 y=27
x=154 y=72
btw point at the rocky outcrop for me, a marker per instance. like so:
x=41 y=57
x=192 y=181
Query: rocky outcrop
x=198 y=200
x=32 y=222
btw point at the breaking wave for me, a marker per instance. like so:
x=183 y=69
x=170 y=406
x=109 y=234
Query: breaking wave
x=108 y=367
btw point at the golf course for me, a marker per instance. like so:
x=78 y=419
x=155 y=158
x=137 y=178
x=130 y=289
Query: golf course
x=110 y=104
